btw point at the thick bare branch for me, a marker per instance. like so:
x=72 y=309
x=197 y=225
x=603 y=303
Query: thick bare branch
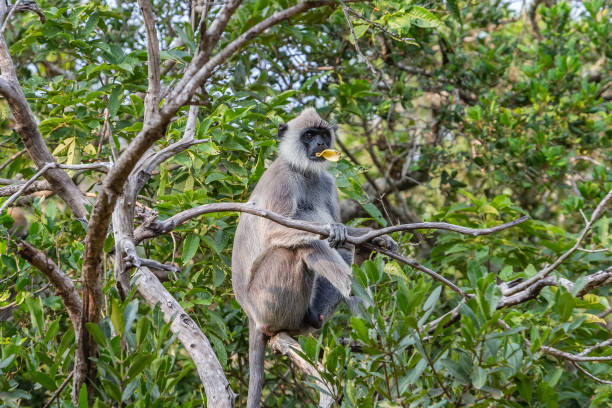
x=48 y=166
x=62 y=283
x=284 y=344
x=35 y=187
x=161 y=227
x=216 y=386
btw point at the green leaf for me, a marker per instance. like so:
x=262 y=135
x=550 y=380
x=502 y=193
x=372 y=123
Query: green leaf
x=115 y=101
x=117 y=316
x=139 y=364
x=96 y=333
x=36 y=314
x=83 y=402
x=360 y=30
x=433 y=298
x=190 y=247
x=90 y=24
x=479 y=377
x=130 y=313
x=565 y=306
x=360 y=329
x=423 y=18
x=453 y=7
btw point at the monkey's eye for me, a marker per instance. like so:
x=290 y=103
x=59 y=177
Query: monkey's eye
x=308 y=135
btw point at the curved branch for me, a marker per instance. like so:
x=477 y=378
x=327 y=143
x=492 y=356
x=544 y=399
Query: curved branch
x=216 y=386
x=475 y=232
x=161 y=227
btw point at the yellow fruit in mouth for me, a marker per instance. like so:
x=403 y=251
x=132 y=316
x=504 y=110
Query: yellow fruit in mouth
x=329 y=154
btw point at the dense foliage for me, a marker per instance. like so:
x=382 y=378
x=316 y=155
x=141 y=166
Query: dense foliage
x=472 y=113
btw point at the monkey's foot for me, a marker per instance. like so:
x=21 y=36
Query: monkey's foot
x=270 y=333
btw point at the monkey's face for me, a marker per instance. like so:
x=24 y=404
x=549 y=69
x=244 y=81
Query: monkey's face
x=315 y=140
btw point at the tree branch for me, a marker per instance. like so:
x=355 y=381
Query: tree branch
x=36 y=186
x=153 y=59
x=27 y=128
x=53 y=165
x=599 y=210
x=60 y=281
x=283 y=343
x=216 y=386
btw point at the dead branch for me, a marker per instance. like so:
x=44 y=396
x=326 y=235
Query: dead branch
x=216 y=386
x=34 y=187
x=153 y=65
x=48 y=166
x=283 y=343
x=599 y=210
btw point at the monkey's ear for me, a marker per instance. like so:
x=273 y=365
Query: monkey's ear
x=282 y=128
x=335 y=128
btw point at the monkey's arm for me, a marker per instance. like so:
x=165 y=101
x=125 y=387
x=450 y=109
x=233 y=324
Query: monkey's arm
x=328 y=262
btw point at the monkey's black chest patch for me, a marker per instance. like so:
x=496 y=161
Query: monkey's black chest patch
x=304 y=206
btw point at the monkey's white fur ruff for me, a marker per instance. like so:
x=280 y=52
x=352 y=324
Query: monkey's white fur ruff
x=291 y=148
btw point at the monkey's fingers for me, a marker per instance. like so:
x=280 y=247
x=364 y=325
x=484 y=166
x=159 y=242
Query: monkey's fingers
x=386 y=242
x=332 y=237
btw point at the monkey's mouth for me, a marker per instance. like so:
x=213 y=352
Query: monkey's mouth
x=316 y=158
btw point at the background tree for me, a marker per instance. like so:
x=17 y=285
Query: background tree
x=129 y=128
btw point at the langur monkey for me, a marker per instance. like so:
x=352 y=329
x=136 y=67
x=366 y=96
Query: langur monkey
x=286 y=279
x=20 y=226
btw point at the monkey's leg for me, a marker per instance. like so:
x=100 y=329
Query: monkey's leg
x=279 y=291
x=323 y=302
x=257 y=352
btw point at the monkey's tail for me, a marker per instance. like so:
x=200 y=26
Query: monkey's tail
x=257 y=352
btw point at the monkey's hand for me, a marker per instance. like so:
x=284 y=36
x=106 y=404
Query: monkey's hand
x=337 y=235
x=386 y=242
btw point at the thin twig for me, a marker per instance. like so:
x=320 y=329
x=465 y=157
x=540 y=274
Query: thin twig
x=10 y=305
x=599 y=210
x=355 y=40
x=8 y=16
x=595 y=347
x=46 y=167
x=10 y=159
x=594 y=251
x=59 y=390
x=591 y=376
x=407 y=40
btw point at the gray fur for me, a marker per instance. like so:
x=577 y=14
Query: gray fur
x=274 y=268
x=277 y=272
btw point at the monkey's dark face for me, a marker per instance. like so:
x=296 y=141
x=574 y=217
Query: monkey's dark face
x=315 y=140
